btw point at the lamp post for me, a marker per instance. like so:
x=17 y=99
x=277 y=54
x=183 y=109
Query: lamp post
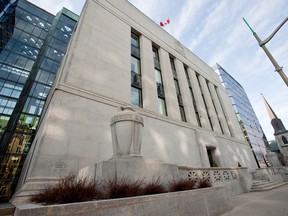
x=262 y=44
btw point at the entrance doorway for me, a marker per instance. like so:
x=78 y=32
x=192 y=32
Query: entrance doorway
x=211 y=155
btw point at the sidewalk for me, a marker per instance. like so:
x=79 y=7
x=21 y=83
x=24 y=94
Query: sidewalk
x=265 y=203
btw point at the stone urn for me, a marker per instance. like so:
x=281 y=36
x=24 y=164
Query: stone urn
x=126 y=129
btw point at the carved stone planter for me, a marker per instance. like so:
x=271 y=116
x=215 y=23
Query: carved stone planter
x=126 y=128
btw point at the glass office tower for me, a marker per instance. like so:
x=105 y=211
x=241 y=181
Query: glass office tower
x=246 y=116
x=32 y=45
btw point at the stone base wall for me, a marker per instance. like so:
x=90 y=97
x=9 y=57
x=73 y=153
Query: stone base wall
x=238 y=180
x=208 y=201
x=134 y=168
x=271 y=174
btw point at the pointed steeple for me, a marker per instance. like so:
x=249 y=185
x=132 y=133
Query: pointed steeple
x=271 y=113
x=275 y=121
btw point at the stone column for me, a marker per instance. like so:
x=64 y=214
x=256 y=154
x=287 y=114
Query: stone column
x=232 y=122
x=169 y=87
x=219 y=109
x=199 y=101
x=185 y=93
x=149 y=88
x=209 y=103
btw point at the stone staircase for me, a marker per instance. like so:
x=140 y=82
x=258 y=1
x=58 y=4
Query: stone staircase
x=264 y=185
x=6 y=209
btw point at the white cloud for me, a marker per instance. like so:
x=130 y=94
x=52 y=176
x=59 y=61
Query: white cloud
x=152 y=8
x=186 y=19
x=54 y=6
x=211 y=23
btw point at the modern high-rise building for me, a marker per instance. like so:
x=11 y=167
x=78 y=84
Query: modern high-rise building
x=246 y=116
x=32 y=45
x=119 y=57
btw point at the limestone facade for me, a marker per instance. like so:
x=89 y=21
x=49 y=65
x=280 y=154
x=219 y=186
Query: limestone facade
x=95 y=79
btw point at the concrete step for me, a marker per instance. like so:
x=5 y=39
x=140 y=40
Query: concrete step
x=6 y=209
x=257 y=183
x=267 y=184
x=267 y=187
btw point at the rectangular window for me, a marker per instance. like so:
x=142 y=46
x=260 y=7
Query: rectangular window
x=135 y=48
x=155 y=53
x=156 y=58
x=135 y=65
x=136 y=96
x=158 y=76
x=136 y=87
x=134 y=40
x=177 y=87
x=162 y=106
x=159 y=83
x=182 y=113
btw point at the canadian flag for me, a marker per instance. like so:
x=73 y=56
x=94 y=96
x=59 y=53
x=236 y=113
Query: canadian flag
x=162 y=24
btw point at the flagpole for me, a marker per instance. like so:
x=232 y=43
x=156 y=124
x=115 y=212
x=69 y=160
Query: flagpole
x=262 y=45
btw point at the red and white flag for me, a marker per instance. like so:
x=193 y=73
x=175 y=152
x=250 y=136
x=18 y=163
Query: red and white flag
x=162 y=24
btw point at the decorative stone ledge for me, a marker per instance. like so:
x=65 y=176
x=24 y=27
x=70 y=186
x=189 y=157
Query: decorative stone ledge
x=238 y=179
x=201 y=202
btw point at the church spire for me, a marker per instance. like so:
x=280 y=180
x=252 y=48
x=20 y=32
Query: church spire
x=271 y=113
x=276 y=123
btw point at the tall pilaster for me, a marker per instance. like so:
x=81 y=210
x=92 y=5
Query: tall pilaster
x=209 y=103
x=219 y=110
x=149 y=88
x=185 y=92
x=199 y=100
x=169 y=87
x=232 y=123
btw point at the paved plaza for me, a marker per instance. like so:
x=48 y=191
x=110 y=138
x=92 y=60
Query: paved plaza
x=265 y=203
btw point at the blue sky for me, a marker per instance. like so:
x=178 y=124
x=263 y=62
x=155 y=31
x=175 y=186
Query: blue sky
x=215 y=32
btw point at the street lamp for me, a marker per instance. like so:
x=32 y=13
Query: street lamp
x=262 y=44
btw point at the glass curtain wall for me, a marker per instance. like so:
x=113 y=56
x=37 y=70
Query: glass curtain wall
x=33 y=45
x=246 y=116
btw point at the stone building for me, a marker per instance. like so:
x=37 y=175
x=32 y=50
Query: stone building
x=117 y=56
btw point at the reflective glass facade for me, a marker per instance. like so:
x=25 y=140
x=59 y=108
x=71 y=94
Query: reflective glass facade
x=246 y=116
x=32 y=45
